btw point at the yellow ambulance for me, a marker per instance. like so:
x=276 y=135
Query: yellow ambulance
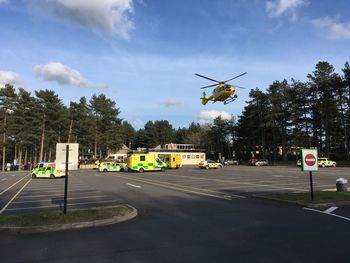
x=142 y=162
x=47 y=170
x=173 y=160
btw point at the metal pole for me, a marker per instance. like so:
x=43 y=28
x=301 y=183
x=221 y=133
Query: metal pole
x=66 y=181
x=311 y=186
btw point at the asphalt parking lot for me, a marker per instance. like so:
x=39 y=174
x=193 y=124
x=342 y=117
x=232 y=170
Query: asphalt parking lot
x=88 y=188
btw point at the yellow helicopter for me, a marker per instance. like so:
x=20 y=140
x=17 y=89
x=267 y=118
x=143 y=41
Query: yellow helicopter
x=222 y=92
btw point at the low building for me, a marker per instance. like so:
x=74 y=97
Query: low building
x=190 y=154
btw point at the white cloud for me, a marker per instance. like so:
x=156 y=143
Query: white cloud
x=63 y=75
x=332 y=29
x=107 y=16
x=8 y=77
x=207 y=116
x=3 y=2
x=276 y=8
x=170 y=102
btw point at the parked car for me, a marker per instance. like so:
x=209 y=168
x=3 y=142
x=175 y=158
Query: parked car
x=111 y=167
x=232 y=162
x=261 y=162
x=323 y=162
x=209 y=164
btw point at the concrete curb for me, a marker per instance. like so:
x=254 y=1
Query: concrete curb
x=77 y=225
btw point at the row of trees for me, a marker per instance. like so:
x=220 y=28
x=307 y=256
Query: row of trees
x=32 y=125
x=295 y=114
x=284 y=118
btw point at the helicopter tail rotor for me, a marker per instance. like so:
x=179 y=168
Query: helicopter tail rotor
x=204 y=99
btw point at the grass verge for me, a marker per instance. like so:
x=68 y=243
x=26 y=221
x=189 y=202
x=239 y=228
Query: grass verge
x=55 y=217
x=320 y=197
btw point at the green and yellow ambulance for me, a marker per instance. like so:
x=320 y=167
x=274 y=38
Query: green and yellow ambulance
x=47 y=170
x=111 y=167
x=142 y=162
x=173 y=160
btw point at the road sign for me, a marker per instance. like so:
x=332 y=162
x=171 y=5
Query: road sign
x=309 y=160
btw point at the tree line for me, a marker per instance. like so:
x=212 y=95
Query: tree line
x=274 y=124
x=293 y=115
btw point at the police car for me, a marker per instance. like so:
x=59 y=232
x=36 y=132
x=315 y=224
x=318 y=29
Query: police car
x=111 y=167
x=208 y=164
x=323 y=162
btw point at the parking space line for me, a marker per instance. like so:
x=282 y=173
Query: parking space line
x=250 y=184
x=182 y=188
x=325 y=213
x=13 y=185
x=52 y=206
x=13 y=198
x=43 y=195
x=69 y=198
x=57 y=189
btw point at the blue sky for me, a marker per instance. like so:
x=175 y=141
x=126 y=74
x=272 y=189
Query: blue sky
x=143 y=53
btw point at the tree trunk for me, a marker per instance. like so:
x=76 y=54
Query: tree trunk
x=70 y=130
x=263 y=142
x=19 y=158
x=4 y=146
x=26 y=157
x=42 y=140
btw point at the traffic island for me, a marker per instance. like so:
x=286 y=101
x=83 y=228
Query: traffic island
x=74 y=219
x=321 y=198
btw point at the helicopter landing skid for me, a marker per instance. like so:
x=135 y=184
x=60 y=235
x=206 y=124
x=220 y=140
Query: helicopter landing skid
x=229 y=100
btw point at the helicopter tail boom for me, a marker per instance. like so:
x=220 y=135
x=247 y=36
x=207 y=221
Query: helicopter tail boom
x=205 y=99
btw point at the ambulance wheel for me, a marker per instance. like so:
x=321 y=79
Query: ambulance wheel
x=141 y=170
x=52 y=176
x=122 y=169
x=163 y=169
x=33 y=176
x=104 y=170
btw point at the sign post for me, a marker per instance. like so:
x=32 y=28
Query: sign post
x=66 y=179
x=309 y=163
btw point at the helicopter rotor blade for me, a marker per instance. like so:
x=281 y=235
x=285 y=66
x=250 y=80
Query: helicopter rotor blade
x=235 y=77
x=206 y=78
x=239 y=87
x=209 y=86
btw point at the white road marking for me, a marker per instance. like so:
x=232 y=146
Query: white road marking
x=62 y=199
x=243 y=183
x=13 y=198
x=12 y=185
x=284 y=176
x=3 y=179
x=330 y=210
x=136 y=186
x=182 y=188
x=50 y=206
x=323 y=212
x=13 y=175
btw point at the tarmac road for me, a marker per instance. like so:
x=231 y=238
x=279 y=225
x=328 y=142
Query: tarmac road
x=179 y=222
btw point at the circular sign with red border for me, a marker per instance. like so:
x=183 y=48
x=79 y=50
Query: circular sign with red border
x=310 y=159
